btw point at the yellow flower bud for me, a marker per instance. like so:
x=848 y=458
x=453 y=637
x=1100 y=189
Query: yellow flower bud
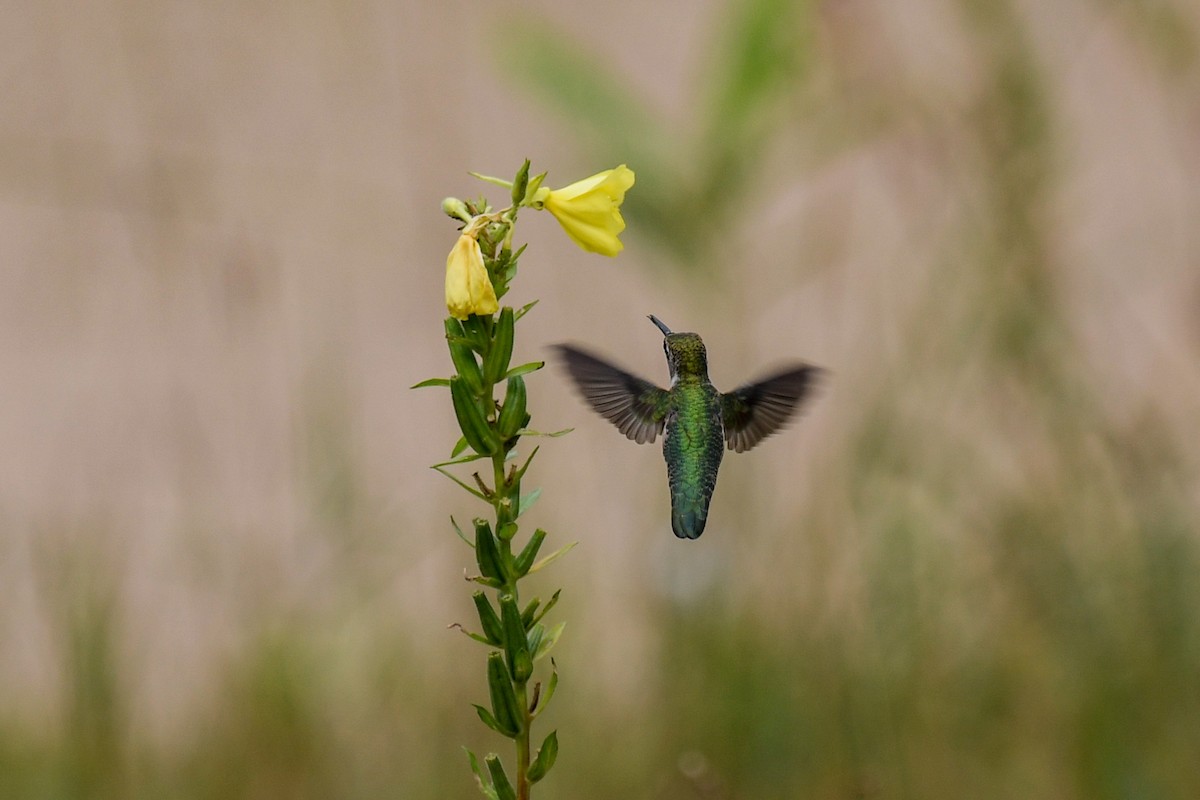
x=590 y=210
x=468 y=288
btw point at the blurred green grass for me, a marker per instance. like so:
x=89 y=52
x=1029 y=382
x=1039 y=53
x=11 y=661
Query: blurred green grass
x=989 y=590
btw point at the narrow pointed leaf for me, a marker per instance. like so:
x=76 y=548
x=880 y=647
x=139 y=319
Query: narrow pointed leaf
x=546 y=608
x=467 y=459
x=525 y=369
x=553 y=435
x=481 y=778
x=550 y=687
x=431 y=382
x=460 y=445
x=525 y=309
x=488 y=719
x=494 y=181
x=550 y=559
x=461 y=535
x=475 y=636
x=470 y=489
x=521 y=472
x=530 y=610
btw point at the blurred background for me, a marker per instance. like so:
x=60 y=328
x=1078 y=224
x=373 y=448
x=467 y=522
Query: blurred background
x=971 y=570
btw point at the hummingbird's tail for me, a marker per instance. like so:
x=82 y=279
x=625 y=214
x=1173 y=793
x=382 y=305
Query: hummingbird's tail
x=688 y=516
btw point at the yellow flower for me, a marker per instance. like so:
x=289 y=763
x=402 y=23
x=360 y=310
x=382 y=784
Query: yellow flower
x=590 y=210
x=468 y=288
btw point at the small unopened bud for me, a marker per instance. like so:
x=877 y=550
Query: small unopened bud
x=520 y=184
x=456 y=209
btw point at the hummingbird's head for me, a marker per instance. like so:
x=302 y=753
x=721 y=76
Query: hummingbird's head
x=685 y=352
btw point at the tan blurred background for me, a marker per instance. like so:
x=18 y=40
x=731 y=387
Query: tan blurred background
x=970 y=571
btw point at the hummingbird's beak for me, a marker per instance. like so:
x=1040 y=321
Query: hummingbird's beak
x=666 y=331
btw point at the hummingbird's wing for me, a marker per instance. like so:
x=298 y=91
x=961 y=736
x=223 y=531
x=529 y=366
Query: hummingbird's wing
x=637 y=407
x=755 y=411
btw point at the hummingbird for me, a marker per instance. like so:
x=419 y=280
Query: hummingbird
x=700 y=422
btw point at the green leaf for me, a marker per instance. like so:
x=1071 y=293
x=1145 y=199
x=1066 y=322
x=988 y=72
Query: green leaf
x=494 y=181
x=530 y=610
x=523 y=310
x=550 y=559
x=546 y=608
x=549 y=640
x=534 y=638
x=554 y=435
x=488 y=719
x=527 y=501
x=467 y=459
x=461 y=535
x=550 y=687
x=470 y=489
x=475 y=636
x=521 y=472
x=485 y=784
x=546 y=755
x=524 y=369
x=431 y=382
x=459 y=446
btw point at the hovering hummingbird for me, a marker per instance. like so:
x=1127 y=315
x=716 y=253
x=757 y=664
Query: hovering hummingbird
x=700 y=421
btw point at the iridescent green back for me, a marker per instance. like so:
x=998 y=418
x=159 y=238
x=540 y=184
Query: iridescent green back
x=695 y=435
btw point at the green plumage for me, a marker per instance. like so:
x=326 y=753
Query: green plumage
x=693 y=447
x=699 y=421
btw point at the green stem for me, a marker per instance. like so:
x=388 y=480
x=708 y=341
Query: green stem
x=523 y=746
x=507 y=512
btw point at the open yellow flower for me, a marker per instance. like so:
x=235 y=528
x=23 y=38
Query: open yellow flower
x=468 y=288
x=590 y=210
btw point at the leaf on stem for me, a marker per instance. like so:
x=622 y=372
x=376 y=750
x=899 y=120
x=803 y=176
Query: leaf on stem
x=523 y=310
x=460 y=483
x=431 y=382
x=521 y=472
x=550 y=687
x=549 y=640
x=461 y=535
x=546 y=608
x=546 y=756
x=467 y=459
x=475 y=636
x=525 y=369
x=481 y=778
x=553 y=435
x=550 y=559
